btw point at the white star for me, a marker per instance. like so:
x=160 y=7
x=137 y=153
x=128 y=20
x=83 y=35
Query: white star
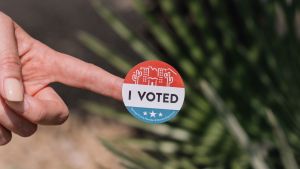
x=152 y=114
x=160 y=114
x=145 y=113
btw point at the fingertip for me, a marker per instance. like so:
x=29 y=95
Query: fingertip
x=117 y=90
x=62 y=116
x=28 y=131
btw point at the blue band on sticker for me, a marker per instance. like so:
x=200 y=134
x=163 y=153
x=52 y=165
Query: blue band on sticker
x=152 y=116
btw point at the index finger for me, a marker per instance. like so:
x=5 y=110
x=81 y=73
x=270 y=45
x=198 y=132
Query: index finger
x=77 y=73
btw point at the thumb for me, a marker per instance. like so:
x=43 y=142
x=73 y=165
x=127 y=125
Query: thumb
x=11 y=87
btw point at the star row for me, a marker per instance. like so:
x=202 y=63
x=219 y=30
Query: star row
x=153 y=114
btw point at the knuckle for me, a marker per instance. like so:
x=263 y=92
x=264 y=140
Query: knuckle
x=33 y=114
x=38 y=117
x=10 y=62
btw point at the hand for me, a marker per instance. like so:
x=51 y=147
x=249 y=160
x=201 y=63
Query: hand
x=27 y=68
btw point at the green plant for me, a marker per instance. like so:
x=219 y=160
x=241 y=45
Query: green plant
x=240 y=66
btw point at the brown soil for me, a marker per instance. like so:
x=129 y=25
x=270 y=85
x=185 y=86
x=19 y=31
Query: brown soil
x=74 y=145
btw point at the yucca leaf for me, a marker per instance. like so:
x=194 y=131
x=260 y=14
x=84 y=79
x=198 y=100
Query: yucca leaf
x=164 y=147
x=233 y=126
x=246 y=62
x=182 y=29
x=158 y=129
x=286 y=153
x=121 y=29
x=136 y=157
x=167 y=41
x=102 y=51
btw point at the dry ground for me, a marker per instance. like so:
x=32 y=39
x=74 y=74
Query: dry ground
x=74 y=145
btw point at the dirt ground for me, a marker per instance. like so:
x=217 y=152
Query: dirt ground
x=75 y=144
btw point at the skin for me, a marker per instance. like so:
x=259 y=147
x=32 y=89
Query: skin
x=36 y=65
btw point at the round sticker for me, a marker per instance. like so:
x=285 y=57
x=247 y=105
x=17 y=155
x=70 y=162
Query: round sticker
x=153 y=92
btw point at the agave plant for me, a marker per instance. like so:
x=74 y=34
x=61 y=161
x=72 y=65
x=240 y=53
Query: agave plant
x=239 y=60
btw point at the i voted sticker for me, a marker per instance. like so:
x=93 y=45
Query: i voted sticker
x=153 y=92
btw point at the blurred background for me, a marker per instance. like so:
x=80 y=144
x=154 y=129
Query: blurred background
x=239 y=60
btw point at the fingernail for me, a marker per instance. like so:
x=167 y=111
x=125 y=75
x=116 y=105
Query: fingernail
x=13 y=89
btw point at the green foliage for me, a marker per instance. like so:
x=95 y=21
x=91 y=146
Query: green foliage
x=240 y=63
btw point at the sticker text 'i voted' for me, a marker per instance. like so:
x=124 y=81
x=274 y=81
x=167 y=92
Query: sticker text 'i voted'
x=154 y=96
